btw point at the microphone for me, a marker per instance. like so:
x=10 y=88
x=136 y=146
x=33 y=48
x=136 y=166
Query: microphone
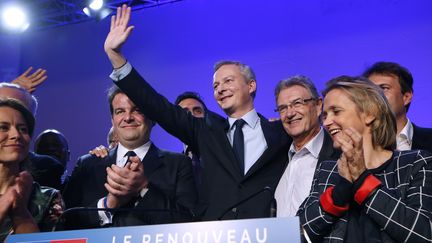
x=273 y=208
x=253 y=195
x=114 y=210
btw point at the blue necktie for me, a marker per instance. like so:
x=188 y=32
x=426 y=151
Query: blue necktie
x=238 y=143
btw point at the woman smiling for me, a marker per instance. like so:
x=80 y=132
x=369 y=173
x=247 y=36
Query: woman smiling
x=25 y=207
x=372 y=193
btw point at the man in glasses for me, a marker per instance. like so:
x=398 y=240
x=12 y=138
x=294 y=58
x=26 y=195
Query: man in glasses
x=300 y=107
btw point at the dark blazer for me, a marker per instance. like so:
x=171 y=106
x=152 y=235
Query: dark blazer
x=327 y=151
x=223 y=184
x=422 y=138
x=46 y=170
x=171 y=194
x=398 y=211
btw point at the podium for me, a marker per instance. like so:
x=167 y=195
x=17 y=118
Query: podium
x=272 y=230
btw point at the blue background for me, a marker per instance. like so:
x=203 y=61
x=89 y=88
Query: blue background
x=174 y=47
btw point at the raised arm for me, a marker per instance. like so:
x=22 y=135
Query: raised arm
x=31 y=81
x=119 y=33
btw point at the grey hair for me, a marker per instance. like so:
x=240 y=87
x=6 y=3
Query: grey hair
x=299 y=80
x=245 y=70
x=30 y=101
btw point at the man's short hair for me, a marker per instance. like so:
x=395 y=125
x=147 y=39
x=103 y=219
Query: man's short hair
x=30 y=100
x=245 y=70
x=190 y=95
x=391 y=68
x=112 y=92
x=299 y=80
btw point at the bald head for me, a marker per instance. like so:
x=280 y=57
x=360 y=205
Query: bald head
x=14 y=91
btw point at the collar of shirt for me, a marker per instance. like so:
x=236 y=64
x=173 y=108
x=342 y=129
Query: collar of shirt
x=407 y=132
x=141 y=152
x=251 y=118
x=313 y=146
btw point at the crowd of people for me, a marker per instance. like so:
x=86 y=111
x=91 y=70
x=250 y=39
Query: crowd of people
x=349 y=163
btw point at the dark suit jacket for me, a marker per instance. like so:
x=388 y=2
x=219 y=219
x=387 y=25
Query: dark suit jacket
x=327 y=151
x=422 y=138
x=171 y=194
x=46 y=170
x=223 y=184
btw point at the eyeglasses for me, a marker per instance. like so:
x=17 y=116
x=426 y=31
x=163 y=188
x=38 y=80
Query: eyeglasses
x=295 y=104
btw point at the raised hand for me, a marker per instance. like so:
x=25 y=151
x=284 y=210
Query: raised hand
x=23 y=188
x=119 y=32
x=352 y=153
x=343 y=168
x=22 y=220
x=6 y=201
x=31 y=81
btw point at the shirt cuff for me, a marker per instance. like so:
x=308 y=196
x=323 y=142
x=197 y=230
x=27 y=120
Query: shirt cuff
x=105 y=217
x=122 y=72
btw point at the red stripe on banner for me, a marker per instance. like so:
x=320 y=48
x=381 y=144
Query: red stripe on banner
x=83 y=240
x=369 y=184
x=328 y=205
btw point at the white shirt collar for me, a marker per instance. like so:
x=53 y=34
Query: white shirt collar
x=141 y=151
x=407 y=131
x=313 y=146
x=251 y=118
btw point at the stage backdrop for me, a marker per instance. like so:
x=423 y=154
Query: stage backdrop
x=174 y=47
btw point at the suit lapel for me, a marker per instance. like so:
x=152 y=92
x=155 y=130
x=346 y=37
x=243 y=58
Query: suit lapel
x=327 y=151
x=417 y=140
x=276 y=139
x=103 y=163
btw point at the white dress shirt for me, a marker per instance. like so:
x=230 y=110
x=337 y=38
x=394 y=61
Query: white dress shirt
x=296 y=181
x=121 y=160
x=404 y=138
x=254 y=140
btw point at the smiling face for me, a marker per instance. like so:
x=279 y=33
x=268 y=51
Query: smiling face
x=301 y=123
x=130 y=125
x=340 y=112
x=232 y=91
x=14 y=136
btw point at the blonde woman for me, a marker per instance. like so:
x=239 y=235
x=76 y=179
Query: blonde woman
x=372 y=193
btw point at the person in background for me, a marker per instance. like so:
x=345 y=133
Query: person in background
x=397 y=83
x=192 y=103
x=112 y=139
x=53 y=143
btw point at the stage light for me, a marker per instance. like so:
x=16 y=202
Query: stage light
x=96 y=4
x=96 y=10
x=14 y=18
